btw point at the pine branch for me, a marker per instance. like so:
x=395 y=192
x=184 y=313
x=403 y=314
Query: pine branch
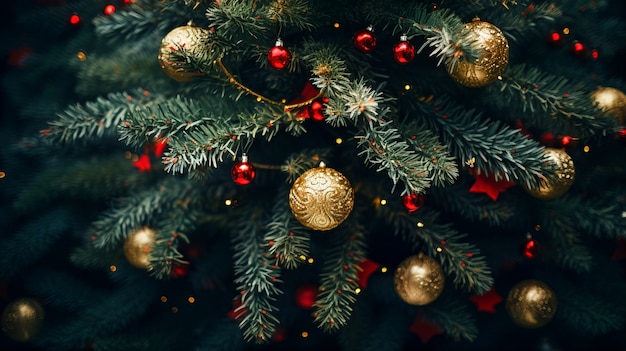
x=299 y=163
x=287 y=239
x=541 y=94
x=440 y=241
x=491 y=146
x=454 y=318
x=256 y=280
x=457 y=199
x=96 y=179
x=94 y=119
x=439 y=164
x=568 y=247
x=144 y=208
x=32 y=240
x=338 y=280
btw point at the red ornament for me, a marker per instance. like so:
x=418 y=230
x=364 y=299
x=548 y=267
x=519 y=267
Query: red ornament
x=366 y=268
x=488 y=185
x=364 y=40
x=278 y=57
x=305 y=296
x=579 y=49
x=243 y=172
x=143 y=163
x=180 y=270
x=530 y=249
x=424 y=328
x=413 y=202
x=403 y=51
x=555 y=38
x=109 y=10
x=75 y=20
x=486 y=302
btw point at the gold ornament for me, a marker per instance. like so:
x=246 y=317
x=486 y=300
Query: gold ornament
x=419 y=280
x=187 y=37
x=493 y=59
x=321 y=198
x=612 y=102
x=137 y=247
x=560 y=181
x=531 y=304
x=22 y=319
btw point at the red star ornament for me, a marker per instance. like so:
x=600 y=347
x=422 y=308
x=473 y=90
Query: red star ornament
x=143 y=163
x=486 y=302
x=366 y=268
x=488 y=185
x=424 y=328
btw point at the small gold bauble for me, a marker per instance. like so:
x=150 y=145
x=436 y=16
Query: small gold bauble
x=22 y=319
x=321 y=198
x=187 y=37
x=612 y=102
x=560 y=181
x=493 y=59
x=137 y=247
x=531 y=304
x=419 y=280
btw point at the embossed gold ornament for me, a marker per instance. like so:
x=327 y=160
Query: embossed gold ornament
x=22 y=319
x=493 y=59
x=321 y=198
x=419 y=279
x=137 y=247
x=559 y=182
x=187 y=37
x=612 y=102
x=531 y=303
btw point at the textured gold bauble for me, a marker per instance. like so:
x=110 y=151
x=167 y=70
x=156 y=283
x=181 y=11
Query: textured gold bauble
x=22 y=319
x=321 y=198
x=187 y=37
x=612 y=102
x=137 y=247
x=419 y=279
x=560 y=181
x=531 y=303
x=493 y=59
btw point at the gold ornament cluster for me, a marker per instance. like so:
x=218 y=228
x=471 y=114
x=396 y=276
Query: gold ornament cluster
x=321 y=198
x=187 y=37
x=612 y=102
x=493 y=59
x=419 y=279
x=531 y=303
x=137 y=247
x=560 y=181
x=22 y=319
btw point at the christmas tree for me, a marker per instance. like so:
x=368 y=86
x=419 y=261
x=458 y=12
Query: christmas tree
x=313 y=175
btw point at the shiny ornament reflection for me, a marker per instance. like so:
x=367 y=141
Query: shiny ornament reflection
x=419 y=280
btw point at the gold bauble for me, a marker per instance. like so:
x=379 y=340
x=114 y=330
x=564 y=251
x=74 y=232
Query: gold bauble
x=321 y=198
x=419 y=280
x=493 y=59
x=22 y=319
x=137 y=247
x=531 y=303
x=612 y=102
x=560 y=181
x=187 y=37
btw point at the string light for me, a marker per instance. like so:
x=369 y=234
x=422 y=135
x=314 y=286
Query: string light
x=586 y=148
x=163 y=298
x=383 y=202
x=228 y=202
x=383 y=269
x=191 y=299
x=420 y=225
x=310 y=260
x=112 y=268
x=338 y=141
x=81 y=56
x=305 y=334
x=2 y=174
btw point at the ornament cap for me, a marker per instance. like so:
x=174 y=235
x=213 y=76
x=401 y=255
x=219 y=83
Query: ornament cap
x=404 y=37
x=279 y=42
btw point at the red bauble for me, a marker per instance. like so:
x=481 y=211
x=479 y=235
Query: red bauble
x=75 y=20
x=109 y=10
x=579 y=50
x=278 y=57
x=403 y=51
x=530 y=249
x=305 y=296
x=364 y=40
x=180 y=270
x=243 y=172
x=413 y=202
